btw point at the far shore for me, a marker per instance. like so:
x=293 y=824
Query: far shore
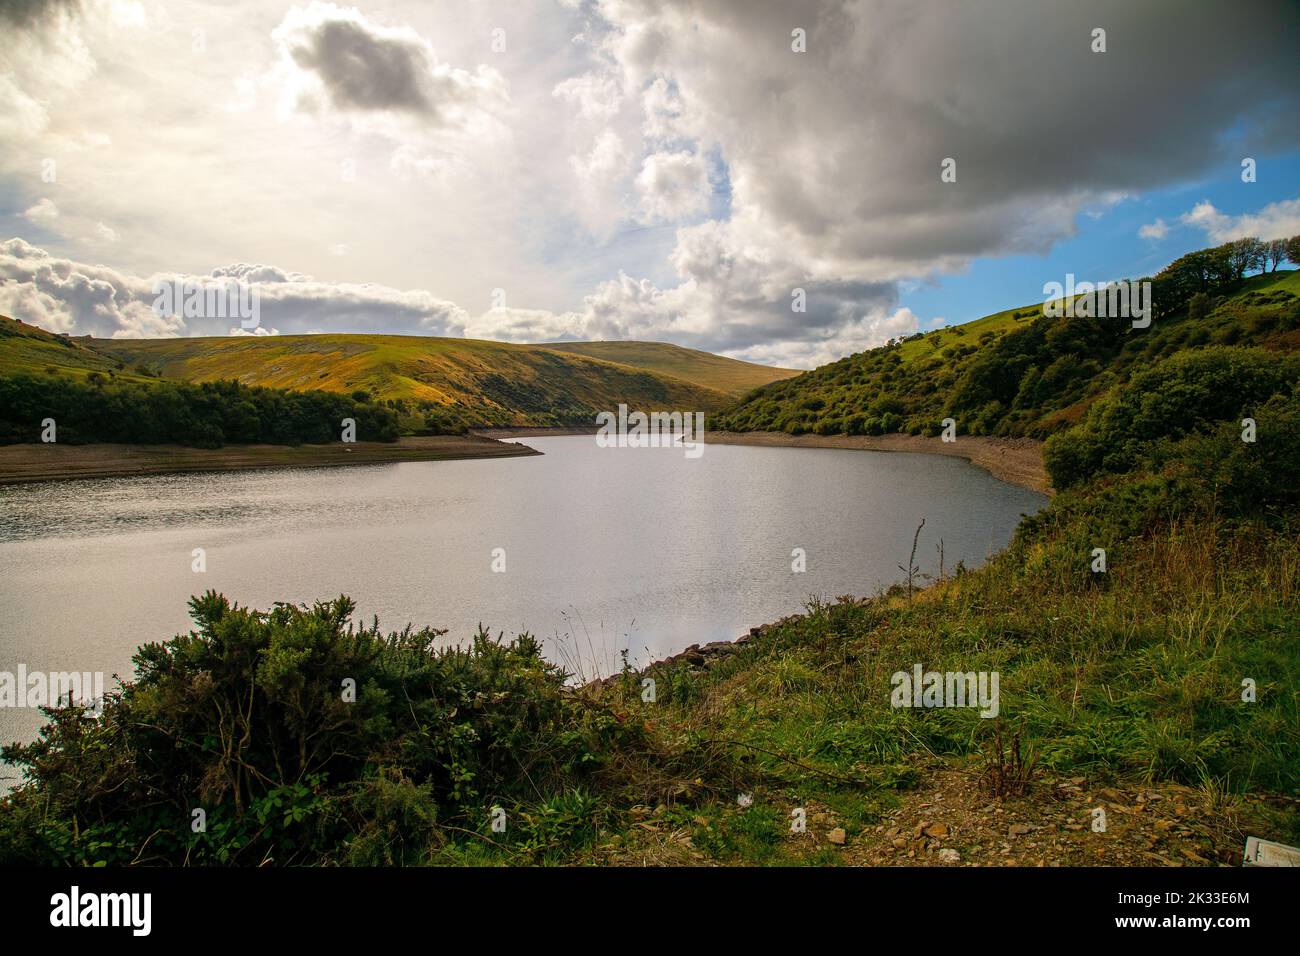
x=1018 y=461
x=54 y=461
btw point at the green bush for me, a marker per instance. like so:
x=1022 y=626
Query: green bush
x=1190 y=393
x=304 y=739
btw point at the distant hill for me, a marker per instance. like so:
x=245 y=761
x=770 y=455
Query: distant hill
x=460 y=382
x=690 y=365
x=1016 y=372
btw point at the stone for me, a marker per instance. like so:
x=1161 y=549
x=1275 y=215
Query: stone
x=837 y=836
x=949 y=856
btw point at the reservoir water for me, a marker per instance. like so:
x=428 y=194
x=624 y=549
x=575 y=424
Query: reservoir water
x=604 y=550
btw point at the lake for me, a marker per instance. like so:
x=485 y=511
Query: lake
x=605 y=550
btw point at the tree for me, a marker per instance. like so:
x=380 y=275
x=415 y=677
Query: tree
x=1244 y=255
x=1275 y=253
x=1293 y=249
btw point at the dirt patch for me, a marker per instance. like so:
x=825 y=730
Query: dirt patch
x=53 y=462
x=951 y=821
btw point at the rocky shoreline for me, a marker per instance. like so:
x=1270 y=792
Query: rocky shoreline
x=699 y=656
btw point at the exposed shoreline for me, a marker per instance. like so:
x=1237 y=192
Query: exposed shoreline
x=58 y=462
x=1018 y=461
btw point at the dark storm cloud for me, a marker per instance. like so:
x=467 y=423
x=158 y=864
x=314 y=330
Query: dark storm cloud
x=364 y=67
x=25 y=14
x=364 y=70
x=840 y=147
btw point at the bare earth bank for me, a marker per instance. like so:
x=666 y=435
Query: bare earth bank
x=1015 y=460
x=42 y=462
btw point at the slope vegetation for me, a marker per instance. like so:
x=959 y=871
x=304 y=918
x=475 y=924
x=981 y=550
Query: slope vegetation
x=1016 y=372
x=447 y=383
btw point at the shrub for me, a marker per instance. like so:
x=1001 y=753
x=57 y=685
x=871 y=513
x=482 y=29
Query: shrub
x=304 y=739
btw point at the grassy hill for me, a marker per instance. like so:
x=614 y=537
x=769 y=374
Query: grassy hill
x=29 y=349
x=459 y=382
x=690 y=365
x=1014 y=372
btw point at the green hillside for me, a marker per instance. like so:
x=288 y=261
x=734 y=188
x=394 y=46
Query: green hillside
x=452 y=382
x=28 y=349
x=690 y=365
x=1017 y=372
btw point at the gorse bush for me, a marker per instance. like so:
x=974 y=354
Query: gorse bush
x=208 y=414
x=1194 y=393
x=303 y=739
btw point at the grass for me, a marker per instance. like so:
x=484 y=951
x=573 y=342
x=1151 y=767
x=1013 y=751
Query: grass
x=1134 y=679
x=489 y=382
x=689 y=365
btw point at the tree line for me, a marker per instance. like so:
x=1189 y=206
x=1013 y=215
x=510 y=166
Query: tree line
x=205 y=415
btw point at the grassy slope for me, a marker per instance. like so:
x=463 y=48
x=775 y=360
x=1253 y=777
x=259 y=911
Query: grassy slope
x=690 y=365
x=1123 y=690
x=913 y=385
x=496 y=382
x=441 y=370
x=26 y=348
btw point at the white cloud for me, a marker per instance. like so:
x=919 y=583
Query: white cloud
x=595 y=96
x=78 y=298
x=1154 y=230
x=865 y=332
x=599 y=177
x=673 y=186
x=663 y=109
x=43 y=213
x=711 y=308
x=1279 y=220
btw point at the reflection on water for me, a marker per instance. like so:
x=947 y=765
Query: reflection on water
x=606 y=550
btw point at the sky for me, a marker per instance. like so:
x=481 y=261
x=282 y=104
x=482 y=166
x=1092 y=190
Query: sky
x=676 y=170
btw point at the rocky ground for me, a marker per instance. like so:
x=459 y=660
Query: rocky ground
x=950 y=821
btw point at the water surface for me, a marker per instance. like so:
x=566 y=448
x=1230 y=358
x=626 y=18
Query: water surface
x=606 y=549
